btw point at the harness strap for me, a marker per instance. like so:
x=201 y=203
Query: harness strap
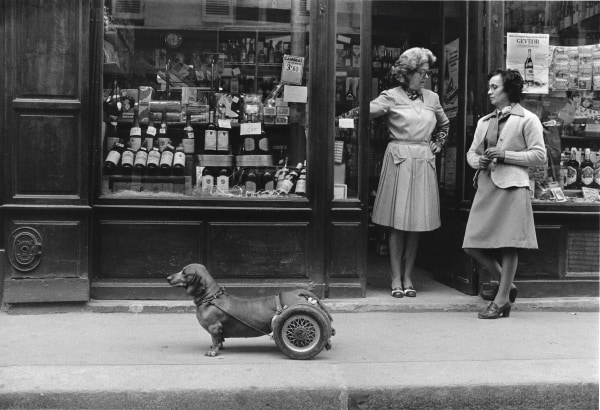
x=213 y=297
x=238 y=319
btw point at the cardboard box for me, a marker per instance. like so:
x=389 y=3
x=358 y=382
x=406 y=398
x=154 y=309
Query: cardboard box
x=281 y=120
x=283 y=111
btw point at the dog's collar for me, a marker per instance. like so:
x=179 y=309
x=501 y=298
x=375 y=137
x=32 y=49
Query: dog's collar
x=213 y=297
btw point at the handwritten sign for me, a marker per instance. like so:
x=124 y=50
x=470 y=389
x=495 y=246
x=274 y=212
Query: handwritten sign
x=250 y=128
x=224 y=123
x=292 y=69
x=346 y=122
x=292 y=93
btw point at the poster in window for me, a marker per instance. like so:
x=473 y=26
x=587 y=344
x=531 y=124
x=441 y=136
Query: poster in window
x=529 y=54
x=450 y=85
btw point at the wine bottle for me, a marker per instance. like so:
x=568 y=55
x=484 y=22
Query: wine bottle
x=264 y=147
x=166 y=159
x=111 y=136
x=163 y=136
x=290 y=179
x=113 y=158
x=573 y=171
x=529 y=74
x=141 y=158
x=208 y=181
x=223 y=180
x=251 y=52
x=587 y=170
x=281 y=173
x=350 y=93
x=249 y=145
x=266 y=181
x=150 y=133
x=179 y=161
x=562 y=173
x=135 y=132
x=113 y=105
x=210 y=135
x=270 y=53
x=127 y=159
x=301 y=184
x=250 y=180
x=597 y=170
x=153 y=159
x=188 y=140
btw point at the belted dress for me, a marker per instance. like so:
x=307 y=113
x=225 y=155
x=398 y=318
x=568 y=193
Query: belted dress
x=407 y=196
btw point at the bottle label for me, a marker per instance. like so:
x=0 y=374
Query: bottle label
x=263 y=144
x=223 y=183
x=210 y=140
x=114 y=157
x=127 y=158
x=571 y=175
x=151 y=130
x=188 y=145
x=301 y=186
x=207 y=184
x=597 y=175
x=190 y=134
x=166 y=159
x=587 y=176
x=562 y=177
x=249 y=144
x=285 y=186
x=149 y=143
x=154 y=157
x=269 y=185
x=135 y=131
x=162 y=143
x=179 y=159
x=135 y=142
x=223 y=141
x=250 y=186
x=141 y=158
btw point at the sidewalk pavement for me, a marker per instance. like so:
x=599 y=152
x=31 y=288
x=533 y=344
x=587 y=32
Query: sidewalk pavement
x=427 y=352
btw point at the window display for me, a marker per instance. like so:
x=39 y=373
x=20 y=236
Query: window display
x=570 y=105
x=205 y=103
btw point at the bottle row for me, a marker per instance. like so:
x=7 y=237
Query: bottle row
x=244 y=50
x=579 y=168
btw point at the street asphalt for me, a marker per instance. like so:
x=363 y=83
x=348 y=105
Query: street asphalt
x=379 y=360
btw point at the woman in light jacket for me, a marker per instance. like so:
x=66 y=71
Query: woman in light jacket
x=506 y=143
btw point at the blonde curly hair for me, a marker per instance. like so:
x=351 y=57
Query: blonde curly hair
x=409 y=62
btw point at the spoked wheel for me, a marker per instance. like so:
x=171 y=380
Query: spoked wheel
x=301 y=331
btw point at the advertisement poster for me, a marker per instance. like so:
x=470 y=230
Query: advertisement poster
x=450 y=102
x=529 y=54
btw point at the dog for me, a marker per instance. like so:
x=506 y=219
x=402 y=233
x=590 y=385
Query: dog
x=224 y=316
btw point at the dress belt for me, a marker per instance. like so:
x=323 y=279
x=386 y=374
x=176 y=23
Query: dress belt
x=408 y=142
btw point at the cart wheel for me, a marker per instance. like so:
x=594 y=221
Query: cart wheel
x=301 y=332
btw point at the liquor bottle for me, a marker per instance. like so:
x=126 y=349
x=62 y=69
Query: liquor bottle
x=210 y=135
x=301 y=184
x=113 y=104
x=528 y=69
x=290 y=179
x=573 y=171
x=188 y=140
x=127 y=159
x=163 y=136
x=350 y=93
x=111 y=135
x=262 y=58
x=376 y=61
x=222 y=141
x=179 y=161
x=266 y=181
x=150 y=133
x=141 y=158
x=251 y=52
x=264 y=147
x=223 y=180
x=587 y=170
x=153 y=159
x=135 y=133
x=250 y=180
x=270 y=52
x=249 y=145
x=113 y=158
x=562 y=173
x=166 y=160
x=208 y=181
x=597 y=170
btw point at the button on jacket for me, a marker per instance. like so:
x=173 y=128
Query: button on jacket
x=521 y=138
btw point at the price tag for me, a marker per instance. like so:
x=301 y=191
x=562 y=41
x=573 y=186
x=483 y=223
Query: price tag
x=224 y=123
x=235 y=99
x=237 y=71
x=292 y=69
x=346 y=122
x=250 y=128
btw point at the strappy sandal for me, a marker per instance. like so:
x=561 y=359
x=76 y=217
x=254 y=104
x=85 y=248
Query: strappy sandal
x=410 y=292
x=397 y=293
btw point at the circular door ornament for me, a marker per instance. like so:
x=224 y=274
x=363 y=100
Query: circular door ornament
x=25 y=249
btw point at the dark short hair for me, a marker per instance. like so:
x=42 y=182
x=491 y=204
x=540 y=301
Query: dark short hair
x=512 y=82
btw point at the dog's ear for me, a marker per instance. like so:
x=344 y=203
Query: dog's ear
x=194 y=280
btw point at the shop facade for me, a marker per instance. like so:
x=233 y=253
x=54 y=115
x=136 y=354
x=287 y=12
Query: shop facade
x=257 y=177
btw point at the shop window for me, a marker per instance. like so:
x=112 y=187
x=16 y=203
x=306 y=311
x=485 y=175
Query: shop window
x=561 y=67
x=204 y=100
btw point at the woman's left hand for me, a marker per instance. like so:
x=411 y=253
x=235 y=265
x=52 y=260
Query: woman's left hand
x=494 y=152
x=435 y=148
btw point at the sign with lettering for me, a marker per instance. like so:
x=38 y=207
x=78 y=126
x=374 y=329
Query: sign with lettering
x=250 y=128
x=292 y=69
x=529 y=54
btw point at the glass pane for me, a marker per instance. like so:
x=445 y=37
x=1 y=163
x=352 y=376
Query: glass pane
x=562 y=75
x=205 y=99
x=348 y=82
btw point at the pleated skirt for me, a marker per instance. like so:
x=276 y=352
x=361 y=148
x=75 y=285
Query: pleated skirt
x=500 y=218
x=407 y=197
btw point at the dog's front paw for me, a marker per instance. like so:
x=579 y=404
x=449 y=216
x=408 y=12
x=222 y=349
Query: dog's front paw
x=210 y=353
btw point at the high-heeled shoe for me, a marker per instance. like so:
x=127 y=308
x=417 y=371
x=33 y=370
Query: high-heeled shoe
x=494 y=286
x=494 y=312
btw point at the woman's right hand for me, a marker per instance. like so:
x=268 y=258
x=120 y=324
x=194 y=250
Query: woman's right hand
x=484 y=162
